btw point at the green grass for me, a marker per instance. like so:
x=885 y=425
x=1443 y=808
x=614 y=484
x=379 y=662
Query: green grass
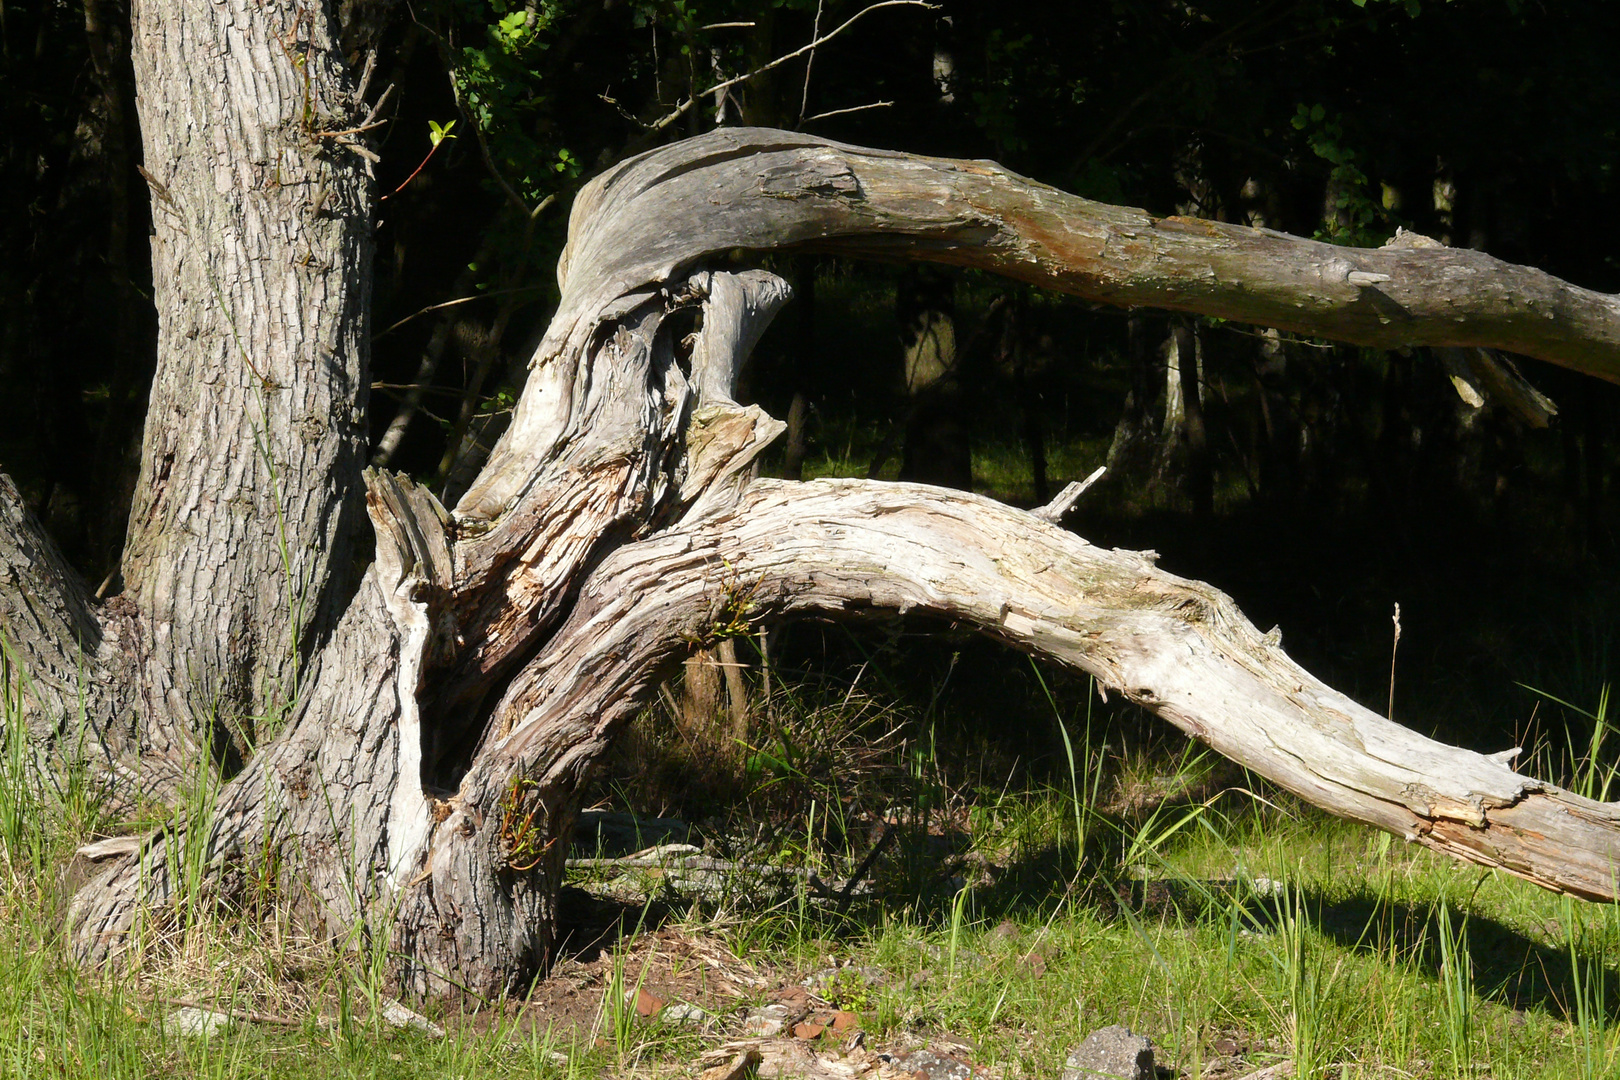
x=1370 y=958
x=1171 y=894
x=1161 y=890
x=1307 y=975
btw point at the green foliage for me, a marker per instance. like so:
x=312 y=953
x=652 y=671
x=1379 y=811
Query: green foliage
x=995 y=95
x=1354 y=216
x=508 y=90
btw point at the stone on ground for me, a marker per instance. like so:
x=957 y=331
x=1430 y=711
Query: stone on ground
x=1113 y=1053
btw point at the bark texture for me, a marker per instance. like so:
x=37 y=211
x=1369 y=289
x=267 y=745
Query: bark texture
x=240 y=532
x=53 y=636
x=427 y=778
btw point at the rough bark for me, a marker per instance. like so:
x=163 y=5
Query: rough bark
x=255 y=433
x=51 y=630
x=428 y=776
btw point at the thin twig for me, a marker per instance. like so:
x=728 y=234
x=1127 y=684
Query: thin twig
x=686 y=106
x=366 y=73
x=459 y=300
x=804 y=96
x=1293 y=339
x=382 y=99
x=370 y=157
x=841 y=112
x=847 y=893
x=426 y=388
x=247 y=1014
x=361 y=130
x=604 y=96
x=434 y=149
x=1396 y=644
x=688 y=862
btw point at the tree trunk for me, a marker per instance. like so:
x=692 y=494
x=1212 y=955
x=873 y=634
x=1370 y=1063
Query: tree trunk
x=241 y=532
x=427 y=777
x=1193 y=436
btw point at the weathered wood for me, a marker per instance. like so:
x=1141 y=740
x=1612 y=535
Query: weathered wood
x=427 y=778
x=651 y=216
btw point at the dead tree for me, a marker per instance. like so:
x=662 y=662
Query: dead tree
x=416 y=741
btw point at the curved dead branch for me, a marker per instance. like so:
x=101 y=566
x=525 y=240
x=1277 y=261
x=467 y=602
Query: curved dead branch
x=1178 y=647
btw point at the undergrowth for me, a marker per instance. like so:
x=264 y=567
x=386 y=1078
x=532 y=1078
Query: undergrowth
x=1019 y=894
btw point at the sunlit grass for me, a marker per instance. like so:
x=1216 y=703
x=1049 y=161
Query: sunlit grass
x=1159 y=890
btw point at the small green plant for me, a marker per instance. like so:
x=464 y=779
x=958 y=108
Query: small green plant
x=736 y=602
x=1590 y=775
x=521 y=838
x=619 y=1000
x=1083 y=798
x=1310 y=986
x=1457 y=990
x=848 y=989
x=959 y=908
x=437 y=135
x=1595 y=1047
x=24 y=842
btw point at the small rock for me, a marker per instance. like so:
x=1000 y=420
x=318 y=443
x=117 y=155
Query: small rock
x=1273 y=1072
x=397 y=1015
x=194 y=1023
x=647 y=1004
x=683 y=1013
x=927 y=1065
x=766 y=1023
x=740 y=1066
x=1113 y=1053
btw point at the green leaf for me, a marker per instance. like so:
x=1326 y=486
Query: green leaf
x=437 y=134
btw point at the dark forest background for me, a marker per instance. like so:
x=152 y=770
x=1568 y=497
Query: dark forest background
x=1319 y=484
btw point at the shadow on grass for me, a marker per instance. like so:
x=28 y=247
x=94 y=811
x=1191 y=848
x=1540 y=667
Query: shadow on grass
x=1509 y=968
x=589 y=923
